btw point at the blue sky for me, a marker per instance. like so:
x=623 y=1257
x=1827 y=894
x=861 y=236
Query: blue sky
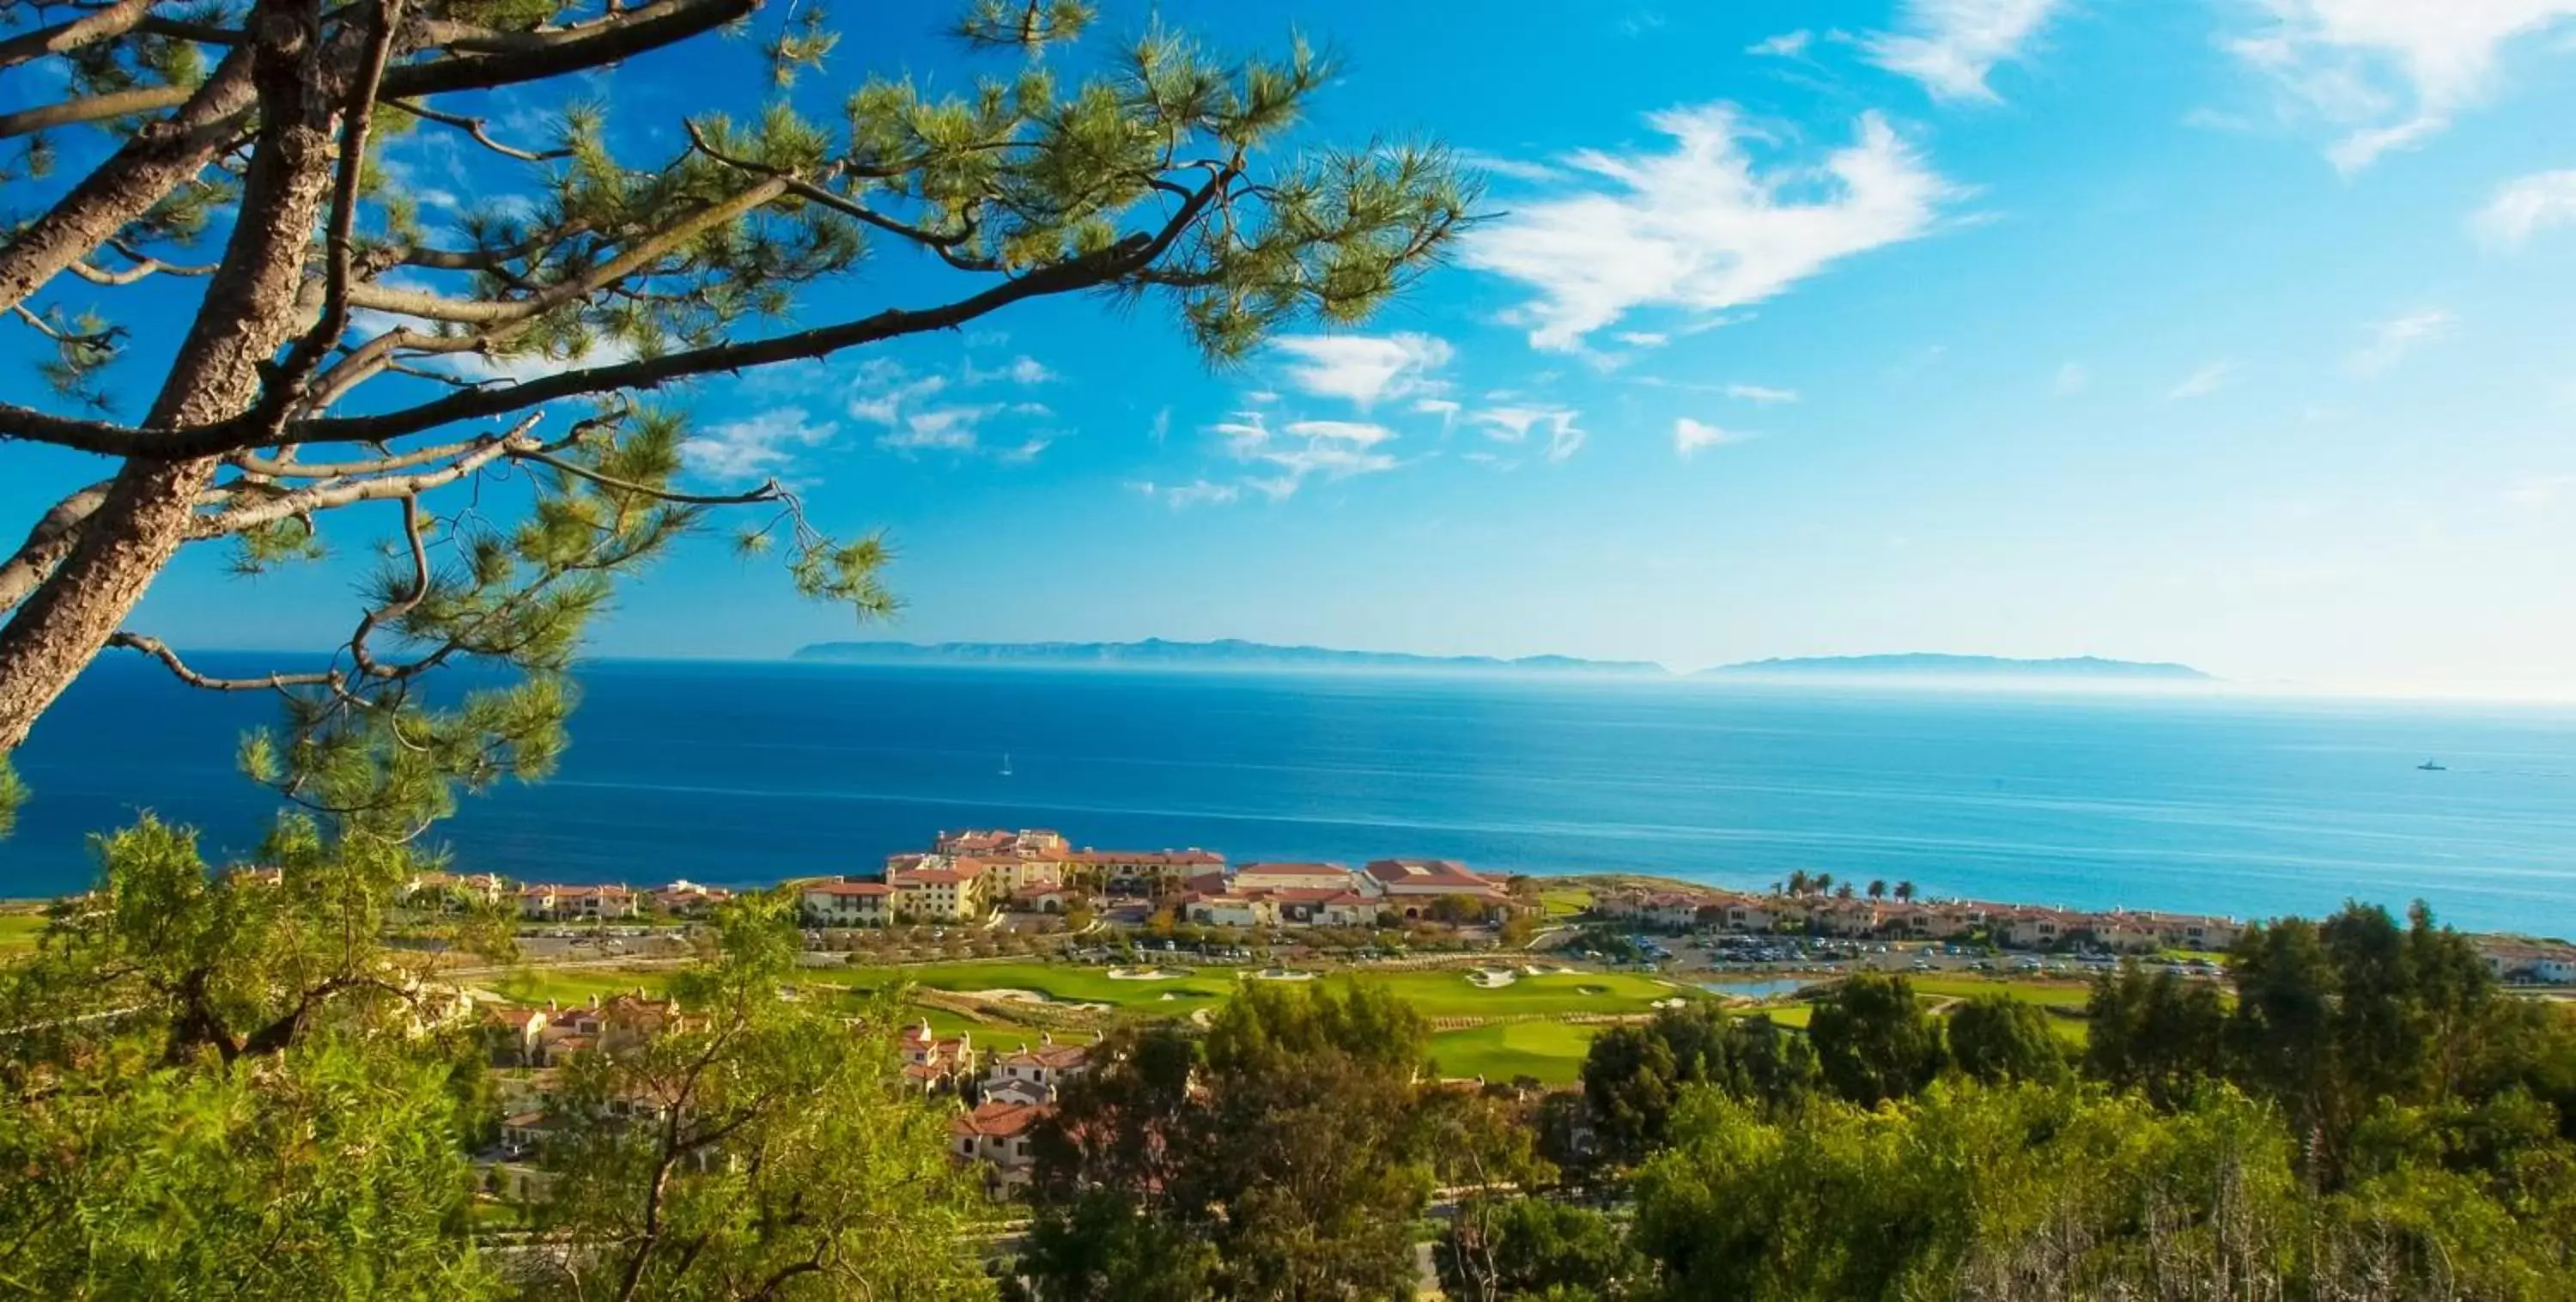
x=2235 y=332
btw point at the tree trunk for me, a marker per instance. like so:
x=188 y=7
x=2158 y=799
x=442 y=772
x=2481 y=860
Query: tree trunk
x=248 y=313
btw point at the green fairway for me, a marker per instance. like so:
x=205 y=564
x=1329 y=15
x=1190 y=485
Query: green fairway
x=18 y=930
x=2047 y=994
x=1566 y=901
x=1552 y=1052
x=569 y=985
x=1063 y=982
x=1446 y=992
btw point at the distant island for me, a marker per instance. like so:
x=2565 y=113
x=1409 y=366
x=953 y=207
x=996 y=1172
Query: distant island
x=1156 y=653
x=1235 y=653
x=1928 y=665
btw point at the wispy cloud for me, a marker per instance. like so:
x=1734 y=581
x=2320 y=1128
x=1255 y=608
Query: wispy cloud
x=2071 y=380
x=756 y=447
x=942 y=429
x=1018 y=370
x=1444 y=408
x=2389 y=73
x=1299 y=450
x=2203 y=382
x=1199 y=492
x=1514 y=424
x=1786 y=45
x=1951 y=45
x=1364 y=369
x=1690 y=436
x=1697 y=227
x=1518 y=169
x=2393 y=339
x=1763 y=395
x=886 y=393
x=2524 y=207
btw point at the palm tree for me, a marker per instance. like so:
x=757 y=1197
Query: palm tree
x=1824 y=882
x=1845 y=892
x=1905 y=890
x=1799 y=882
x=1878 y=888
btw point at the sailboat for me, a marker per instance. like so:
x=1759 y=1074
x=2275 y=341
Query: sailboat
x=2429 y=766
x=1006 y=764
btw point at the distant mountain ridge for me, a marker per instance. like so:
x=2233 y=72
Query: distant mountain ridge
x=1921 y=664
x=1236 y=653
x=1230 y=653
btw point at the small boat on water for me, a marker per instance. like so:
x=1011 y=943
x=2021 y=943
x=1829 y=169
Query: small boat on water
x=2429 y=766
x=1006 y=764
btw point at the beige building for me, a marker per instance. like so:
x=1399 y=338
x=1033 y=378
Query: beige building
x=845 y=903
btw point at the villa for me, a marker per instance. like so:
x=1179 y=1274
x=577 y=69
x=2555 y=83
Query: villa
x=846 y=903
x=997 y=1136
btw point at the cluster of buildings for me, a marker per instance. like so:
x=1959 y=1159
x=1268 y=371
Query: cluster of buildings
x=559 y=902
x=1000 y=1095
x=968 y=876
x=2013 y=926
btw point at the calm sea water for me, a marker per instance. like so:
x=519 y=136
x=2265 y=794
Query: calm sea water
x=737 y=773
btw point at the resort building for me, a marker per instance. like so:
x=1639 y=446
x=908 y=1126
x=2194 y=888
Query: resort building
x=996 y=1135
x=845 y=903
x=1151 y=873
x=1037 y=1071
x=1236 y=908
x=578 y=903
x=1297 y=876
x=937 y=888
x=931 y=1063
x=687 y=899
x=2529 y=962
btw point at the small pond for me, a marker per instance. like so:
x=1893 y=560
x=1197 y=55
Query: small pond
x=1758 y=989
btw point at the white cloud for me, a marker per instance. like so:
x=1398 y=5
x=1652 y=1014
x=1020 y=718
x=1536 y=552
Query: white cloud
x=1761 y=394
x=2392 y=339
x=1303 y=449
x=1365 y=368
x=1513 y=425
x=1019 y=370
x=2071 y=379
x=2391 y=73
x=1950 y=45
x=1357 y=433
x=944 y=429
x=1200 y=492
x=757 y=447
x=1515 y=168
x=1162 y=427
x=2525 y=206
x=881 y=390
x=1696 y=227
x=2203 y=382
x=1786 y=45
x=1690 y=436
x=1643 y=338
x=1026 y=452
x=1444 y=408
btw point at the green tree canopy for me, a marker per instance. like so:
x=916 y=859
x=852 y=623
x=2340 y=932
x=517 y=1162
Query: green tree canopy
x=1873 y=1040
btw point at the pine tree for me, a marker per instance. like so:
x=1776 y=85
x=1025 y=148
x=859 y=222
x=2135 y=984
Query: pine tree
x=346 y=358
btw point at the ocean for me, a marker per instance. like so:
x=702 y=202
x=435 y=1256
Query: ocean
x=737 y=773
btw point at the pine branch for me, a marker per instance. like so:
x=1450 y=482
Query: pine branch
x=159 y=650
x=476 y=128
x=88 y=29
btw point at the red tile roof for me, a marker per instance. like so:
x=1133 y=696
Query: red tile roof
x=998 y=1120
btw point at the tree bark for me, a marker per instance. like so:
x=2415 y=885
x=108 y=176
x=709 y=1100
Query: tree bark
x=249 y=312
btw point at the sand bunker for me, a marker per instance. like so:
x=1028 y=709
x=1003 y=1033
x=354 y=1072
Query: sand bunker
x=1144 y=974
x=1034 y=997
x=1490 y=978
x=1283 y=974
